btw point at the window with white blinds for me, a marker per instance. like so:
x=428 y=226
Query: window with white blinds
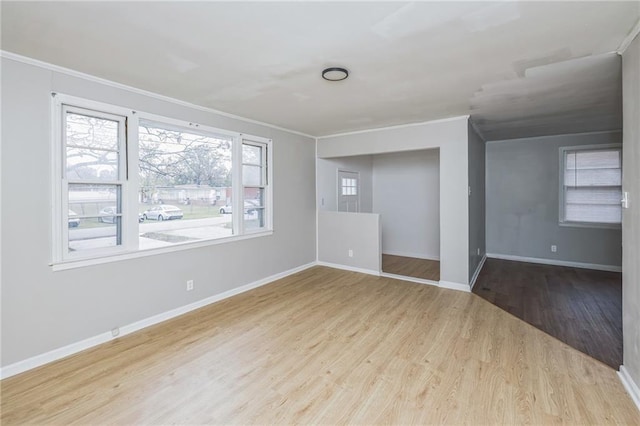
x=591 y=185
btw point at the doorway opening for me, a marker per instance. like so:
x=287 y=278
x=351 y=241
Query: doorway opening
x=406 y=194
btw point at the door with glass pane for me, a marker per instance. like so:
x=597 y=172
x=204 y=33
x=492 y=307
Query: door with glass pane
x=348 y=191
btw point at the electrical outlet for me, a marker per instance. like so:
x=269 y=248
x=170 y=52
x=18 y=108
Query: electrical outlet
x=189 y=285
x=350 y=253
x=554 y=248
x=115 y=332
x=478 y=251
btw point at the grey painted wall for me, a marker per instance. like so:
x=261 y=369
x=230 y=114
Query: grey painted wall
x=631 y=216
x=477 y=240
x=406 y=194
x=327 y=185
x=44 y=310
x=522 y=203
x=339 y=232
x=450 y=136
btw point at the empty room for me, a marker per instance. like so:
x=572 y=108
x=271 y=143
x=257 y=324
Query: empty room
x=320 y=212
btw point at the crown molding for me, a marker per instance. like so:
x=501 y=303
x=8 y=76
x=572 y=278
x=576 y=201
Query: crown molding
x=92 y=78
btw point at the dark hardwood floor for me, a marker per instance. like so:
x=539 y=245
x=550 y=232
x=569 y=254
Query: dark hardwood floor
x=411 y=267
x=580 y=307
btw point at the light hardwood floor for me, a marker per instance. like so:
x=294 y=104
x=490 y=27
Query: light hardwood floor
x=332 y=347
x=411 y=267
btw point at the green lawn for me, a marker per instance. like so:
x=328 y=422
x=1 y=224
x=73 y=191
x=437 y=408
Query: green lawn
x=196 y=211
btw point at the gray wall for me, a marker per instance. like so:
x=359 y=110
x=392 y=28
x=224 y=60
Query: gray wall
x=406 y=194
x=522 y=203
x=44 y=310
x=477 y=243
x=631 y=216
x=339 y=232
x=450 y=136
x=327 y=178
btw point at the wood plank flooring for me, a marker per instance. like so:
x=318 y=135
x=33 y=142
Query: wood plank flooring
x=331 y=347
x=581 y=307
x=411 y=267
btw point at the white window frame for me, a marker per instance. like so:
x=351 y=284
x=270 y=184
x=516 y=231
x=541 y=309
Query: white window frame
x=561 y=194
x=265 y=162
x=128 y=167
x=60 y=200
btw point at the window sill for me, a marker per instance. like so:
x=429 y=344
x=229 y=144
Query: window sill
x=591 y=225
x=80 y=263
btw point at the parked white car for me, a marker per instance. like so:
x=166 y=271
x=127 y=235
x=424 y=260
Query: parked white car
x=112 y=210
x=249 y=206
x=163 y=212
x=74 y=220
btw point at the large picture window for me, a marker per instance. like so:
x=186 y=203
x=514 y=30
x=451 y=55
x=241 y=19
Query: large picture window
x=591 y=187
x=128 y=181
x=185 y=177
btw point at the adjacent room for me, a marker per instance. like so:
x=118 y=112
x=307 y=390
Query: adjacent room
x=320 y=212
x=403 y=190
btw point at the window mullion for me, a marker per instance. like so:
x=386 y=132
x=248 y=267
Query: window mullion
x=58 y=240
x=131 y=187
x=237 y=187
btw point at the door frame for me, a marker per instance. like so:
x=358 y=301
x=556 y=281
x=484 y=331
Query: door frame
x=338 y=188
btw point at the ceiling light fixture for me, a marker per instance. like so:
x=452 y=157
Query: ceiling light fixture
x=335 y=74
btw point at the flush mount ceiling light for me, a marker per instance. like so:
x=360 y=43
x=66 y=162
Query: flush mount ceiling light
x=335 y=74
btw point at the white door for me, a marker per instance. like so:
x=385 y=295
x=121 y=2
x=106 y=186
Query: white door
x=348 y=191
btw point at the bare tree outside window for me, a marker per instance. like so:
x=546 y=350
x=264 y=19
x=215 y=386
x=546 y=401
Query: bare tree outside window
x=183 y=175
x=172 y=183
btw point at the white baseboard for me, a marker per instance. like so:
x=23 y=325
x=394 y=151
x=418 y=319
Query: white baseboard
x=411 y=279
x=478 y=269
x=348 y=268
x=595 y=266
x=56 y=354
x=455 y=286
x=414 y=255
x=631 y=386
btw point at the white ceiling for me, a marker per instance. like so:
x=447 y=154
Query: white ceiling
x=409 y=62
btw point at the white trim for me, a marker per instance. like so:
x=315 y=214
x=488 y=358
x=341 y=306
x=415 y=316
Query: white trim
x=630 y=386
x=442 y=284
x=62 y=266
x=179 y=125
x=629 y=38
x=414 y=255
x=455 y=286
x=92 y=78
x=56 y=354
x=556 y=262
x=399 y=126
x=62 y=105
x=411 y=279
x=317 y=201
x=599 y=132
x=348 y=268
x=478 y=269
